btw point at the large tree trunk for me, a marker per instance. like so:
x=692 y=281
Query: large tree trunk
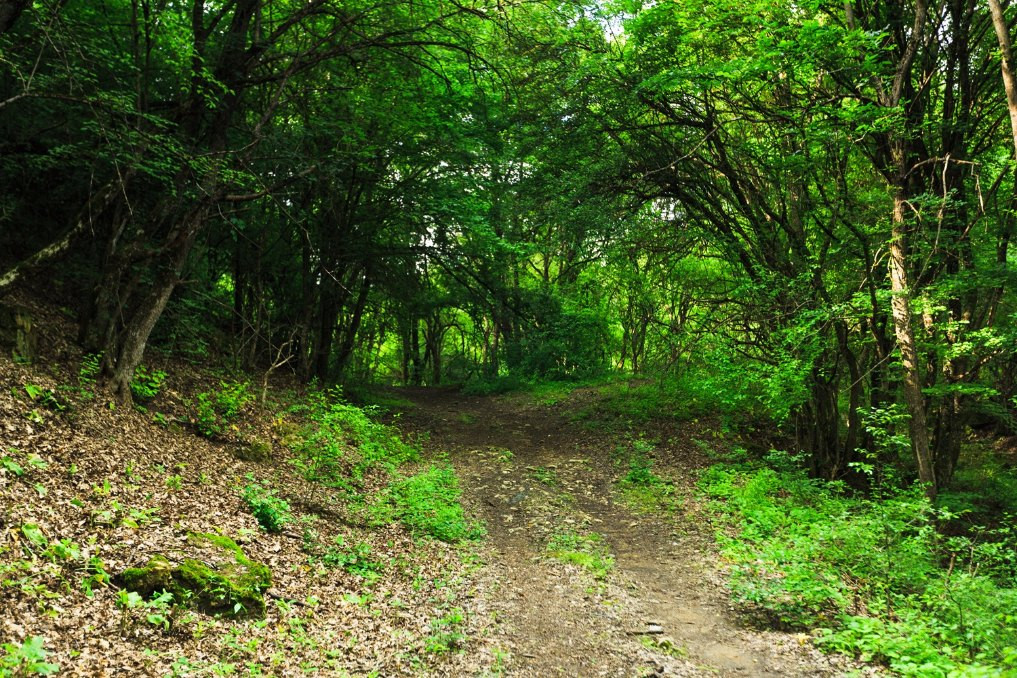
x=904 y=328
x=1007 y=66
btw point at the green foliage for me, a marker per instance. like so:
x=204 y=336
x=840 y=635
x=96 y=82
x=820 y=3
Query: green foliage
x=354 y=558
x=724 y=393
x=497 y=385
x=873 y=573
x=446 y=633
x=10 y=463
x=27 y=659
x=588 y=551
x=568 y=341
x=342 y=441
x=88 y=374
x=146 y=384
x=213 y=412
x=160 y=611
x=46 y=397
x=271 y=512
x=428 y=504
x=545 y=475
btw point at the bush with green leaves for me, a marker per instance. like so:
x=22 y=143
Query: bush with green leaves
x=271 y=512
x=213 y=412
x=872 y=574
x=428 y=504
x=343 y=441
x=146 y=384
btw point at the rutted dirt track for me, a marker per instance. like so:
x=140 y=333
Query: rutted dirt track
x=529 y=472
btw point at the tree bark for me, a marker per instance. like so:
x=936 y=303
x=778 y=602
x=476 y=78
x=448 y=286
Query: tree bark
x=94 y=207
x=1007 y=65
x=905 y=331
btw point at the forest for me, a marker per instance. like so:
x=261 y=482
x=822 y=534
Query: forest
x=334 y=331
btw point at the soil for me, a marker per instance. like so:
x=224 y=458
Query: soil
x=530 y=472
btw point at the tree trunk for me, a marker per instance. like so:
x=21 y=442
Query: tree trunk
x=1007 y=66
x=134 y=337
x=904 y=328
x=349 y=333
x=95 y=206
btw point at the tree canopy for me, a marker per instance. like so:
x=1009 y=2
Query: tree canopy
x=804 y=207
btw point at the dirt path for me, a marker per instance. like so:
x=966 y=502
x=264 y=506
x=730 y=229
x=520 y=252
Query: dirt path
x=661 y=611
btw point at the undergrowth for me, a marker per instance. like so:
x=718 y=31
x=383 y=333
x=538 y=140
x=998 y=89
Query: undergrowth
x=587 y=551
x=874 y=576
x=642 y=488
x=428 y=504
x=341 y=442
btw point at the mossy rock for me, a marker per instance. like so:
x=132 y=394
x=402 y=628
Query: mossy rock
x=156 y=576
x=256 y=451
x=290 y=434
x=227 y=582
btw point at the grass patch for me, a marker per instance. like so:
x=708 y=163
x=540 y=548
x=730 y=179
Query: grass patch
x=545 y=476
x=587 y=551
x=641 y=488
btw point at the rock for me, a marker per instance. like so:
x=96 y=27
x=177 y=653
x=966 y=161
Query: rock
x=156 y=576
x=255 y=450
x=17 y=332
x=225 y=580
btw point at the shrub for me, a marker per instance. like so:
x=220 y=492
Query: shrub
x=343 y=441
x=146 y=384
x=215 y=411
x=271 y=512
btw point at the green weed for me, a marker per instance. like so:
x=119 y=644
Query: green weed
x=26 y=659
x=547 y=476
x=344 y=442
x=214 y=412
x=446 y=633
x=588 y=551
x=146 y=384
x=271 y=512
x=428 y=504
x=354 y=558
x=641 y=488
